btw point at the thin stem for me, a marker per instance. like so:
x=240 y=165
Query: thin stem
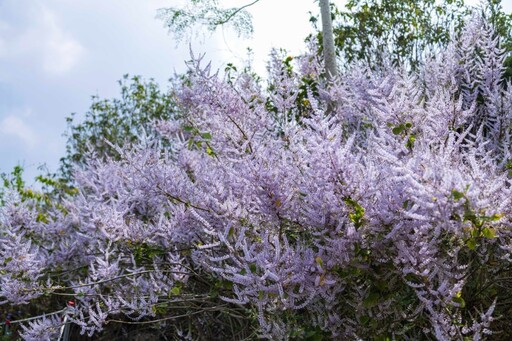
x=229 y=17
x=168 y=318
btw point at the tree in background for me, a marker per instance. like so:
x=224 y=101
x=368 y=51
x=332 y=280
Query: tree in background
x=331 y=68
x=119 y=121
x=405 y=32
x=402 y=31
x=206 y=13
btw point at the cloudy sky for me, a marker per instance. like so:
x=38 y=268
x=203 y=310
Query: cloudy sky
x=55 y=54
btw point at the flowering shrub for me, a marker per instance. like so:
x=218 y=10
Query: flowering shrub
x=377 y=205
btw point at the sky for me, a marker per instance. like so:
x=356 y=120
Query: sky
x=56 y=54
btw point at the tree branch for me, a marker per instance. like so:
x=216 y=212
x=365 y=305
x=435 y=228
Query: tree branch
x=238 y=10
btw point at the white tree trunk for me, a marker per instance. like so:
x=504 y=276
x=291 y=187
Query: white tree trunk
x=328 y=40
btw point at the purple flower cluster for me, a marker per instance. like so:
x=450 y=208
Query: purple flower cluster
x=370 y=205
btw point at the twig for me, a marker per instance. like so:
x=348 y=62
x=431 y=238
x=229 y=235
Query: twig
x=35 y=317
x=222 y=22
x=167 y=318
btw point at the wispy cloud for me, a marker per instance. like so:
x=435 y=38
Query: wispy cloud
x=61 y=52
x=14 y=127
x=43 y=39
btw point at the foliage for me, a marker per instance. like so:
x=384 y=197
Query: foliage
x=52 y=189
x=111 y=122
x=13 y=181
x=405 y=31
x=207 y=13
x=371 y=30
x=385 y=216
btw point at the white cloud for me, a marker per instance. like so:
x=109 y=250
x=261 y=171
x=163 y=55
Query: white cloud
x=43 y=43
x=60 y=51
x=14 y=127
x=3 y=46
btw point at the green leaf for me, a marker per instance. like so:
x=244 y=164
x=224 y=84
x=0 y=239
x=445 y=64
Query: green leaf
x=227 y=284
x=316 y=337
x=206 y=136
x=372 y=300
x=41 y=217
x=405 y=205
x=489 y=233
x=358 y=215
x=210 y=151
x=175 y=290
x=410 y=141
x=229 y=67
x=253 y=267
x=319 y=261
x=494 y=217
x=398 y=130
x=364 y=320
x=382 y=338
x=457 y=195
x=471 y=243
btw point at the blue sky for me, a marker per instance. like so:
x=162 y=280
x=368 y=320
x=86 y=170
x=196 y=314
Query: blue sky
x=55 y=54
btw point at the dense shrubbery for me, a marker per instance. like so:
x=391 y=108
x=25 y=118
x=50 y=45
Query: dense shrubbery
x=388 y=217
